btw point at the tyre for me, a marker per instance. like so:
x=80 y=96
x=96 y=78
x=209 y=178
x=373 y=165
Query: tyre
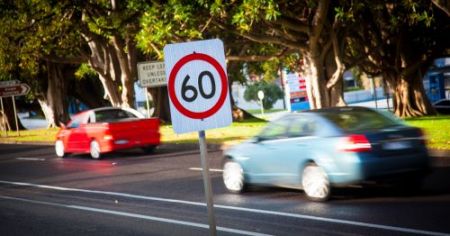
x=149 y=149
x=94 y=149
x=315 y=183
x=59 y=148
x=233 y=177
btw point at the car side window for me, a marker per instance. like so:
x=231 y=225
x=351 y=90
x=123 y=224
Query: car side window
x=113 y=115
x=275 y=130
x=75 y=123
x=302 y=127
x=444 y=103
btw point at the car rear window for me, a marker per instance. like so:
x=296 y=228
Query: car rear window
x=113 y=115
x=354 y=120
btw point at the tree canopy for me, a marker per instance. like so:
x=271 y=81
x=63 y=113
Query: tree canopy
x=44 y=43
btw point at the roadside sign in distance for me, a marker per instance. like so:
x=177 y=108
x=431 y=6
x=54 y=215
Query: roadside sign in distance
x=14 y=90
x=151 y=74
x=197 y=84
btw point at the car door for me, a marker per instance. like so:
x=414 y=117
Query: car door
x=77 y=133
x=264 y=155
x=283 y=148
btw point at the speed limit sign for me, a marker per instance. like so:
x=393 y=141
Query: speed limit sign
x=198 y=86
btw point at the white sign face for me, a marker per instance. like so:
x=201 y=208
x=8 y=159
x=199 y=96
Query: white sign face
x=151 y=74
x=8 y=83
x=198 y=86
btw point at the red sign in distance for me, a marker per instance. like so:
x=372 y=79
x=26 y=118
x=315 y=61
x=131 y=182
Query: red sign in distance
x=171 y=85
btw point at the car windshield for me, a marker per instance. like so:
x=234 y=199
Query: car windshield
x=354 y=120
x=113 y=115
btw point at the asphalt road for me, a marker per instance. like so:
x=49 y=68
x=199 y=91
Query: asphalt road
x=131 y=193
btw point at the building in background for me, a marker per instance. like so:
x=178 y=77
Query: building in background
x=436 y=81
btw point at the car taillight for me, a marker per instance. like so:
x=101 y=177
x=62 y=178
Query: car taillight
x=355 y=143
x=108 y=137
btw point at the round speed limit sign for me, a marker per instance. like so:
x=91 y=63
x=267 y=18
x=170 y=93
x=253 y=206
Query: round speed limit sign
x=197 y=85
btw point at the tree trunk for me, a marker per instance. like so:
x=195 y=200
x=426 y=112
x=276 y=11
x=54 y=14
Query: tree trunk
x=127 y=69
x=161 y=99
x=111 y=91
x=410 y=99
x=315 y=82
x=336 y=94
x=104 y=60
x=53 y=100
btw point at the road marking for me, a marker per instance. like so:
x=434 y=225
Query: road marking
x=267 y=212
x=30 y=159
x=133 y=215
x=200 y=169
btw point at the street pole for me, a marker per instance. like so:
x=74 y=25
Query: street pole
x=262 y=108
x=374 y=91
x=15 y=115
x=148 y=104
x=4 y=118
x=207 y=183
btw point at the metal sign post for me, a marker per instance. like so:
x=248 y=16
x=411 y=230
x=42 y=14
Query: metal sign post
x=13 y=88
x=15 y=115
x=207 y=183
x=4 y=117
x=148 y=103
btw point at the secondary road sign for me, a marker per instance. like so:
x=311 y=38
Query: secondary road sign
x=8 y=83
x=152 y=74
x=198 y=86
x=14 y=90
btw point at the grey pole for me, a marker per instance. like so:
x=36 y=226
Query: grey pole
x=207 y=183
x=147 y=102
x=4 y=117
x=15 y=115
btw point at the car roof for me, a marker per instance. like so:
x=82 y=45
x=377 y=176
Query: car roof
x=82 y=113
x=339 y=109
x=441 y=100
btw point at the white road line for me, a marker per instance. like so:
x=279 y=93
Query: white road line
x=267 y=212
x=133 y=215
x=30 y=159
x=200 y=169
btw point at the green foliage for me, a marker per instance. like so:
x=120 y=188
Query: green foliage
x=175 y=21
x=251 y=11
x=31 y=31
x=271 y=93
x=84 y=70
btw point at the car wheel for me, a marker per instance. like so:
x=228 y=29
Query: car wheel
x=149 y=149
x=233 y=177
x=59 y=148
x=315 y=183
x=94 y=149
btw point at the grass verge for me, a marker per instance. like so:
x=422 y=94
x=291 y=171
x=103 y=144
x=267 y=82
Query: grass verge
x=436 y=128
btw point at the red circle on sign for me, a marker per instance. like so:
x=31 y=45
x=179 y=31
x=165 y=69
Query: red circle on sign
x=171 y=86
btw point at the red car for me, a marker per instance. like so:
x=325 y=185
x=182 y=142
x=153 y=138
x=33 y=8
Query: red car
x=107 y=129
